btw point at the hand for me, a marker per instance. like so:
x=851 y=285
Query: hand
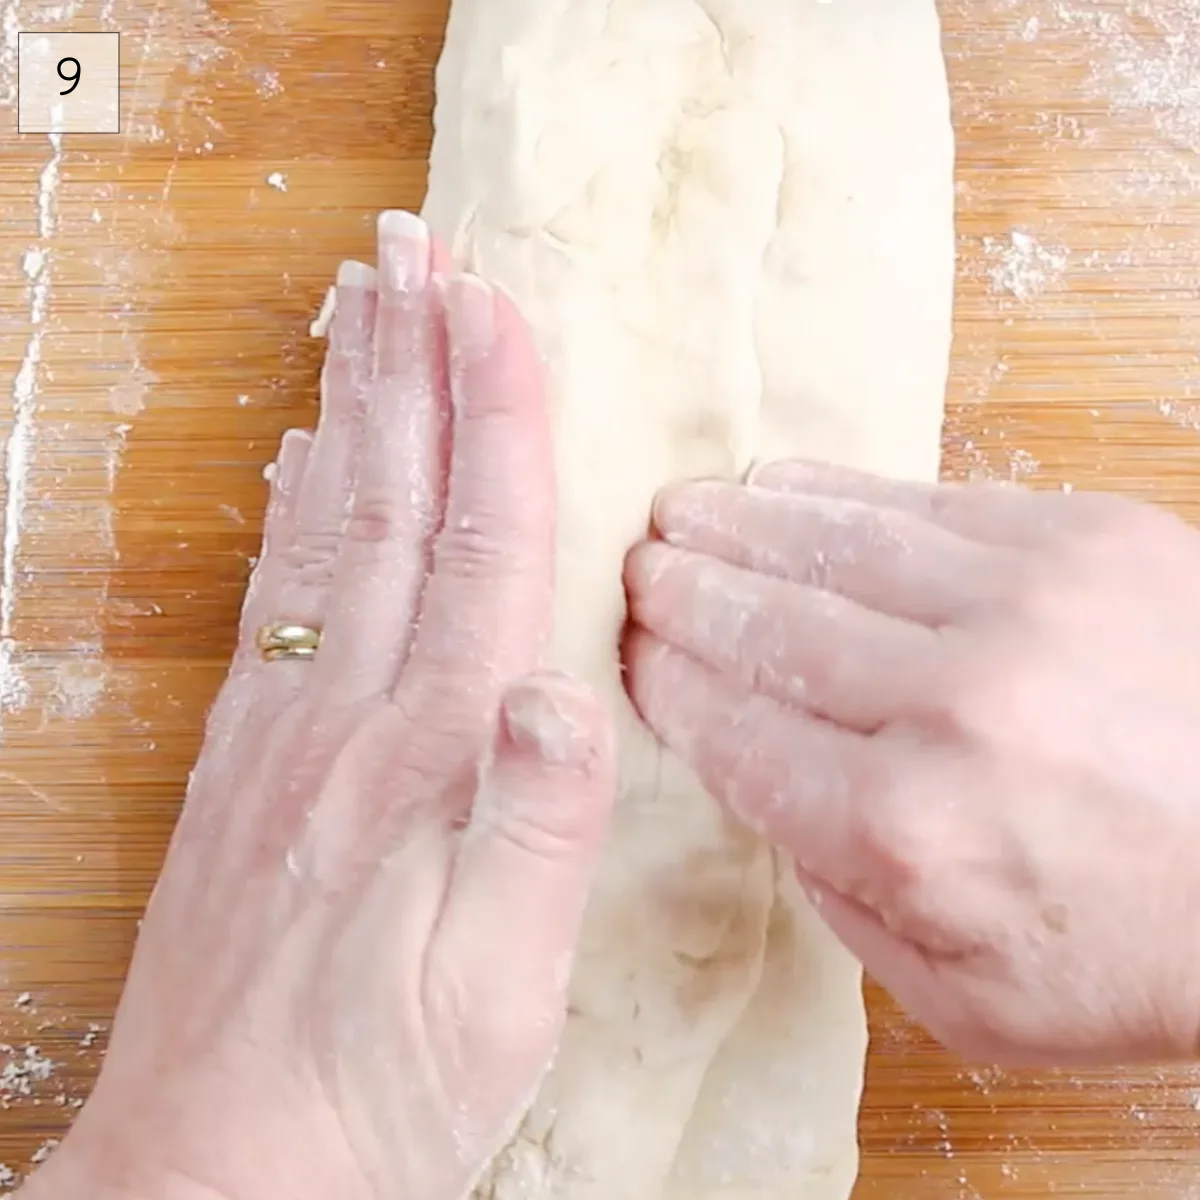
x=352 y=973
x=971 y=715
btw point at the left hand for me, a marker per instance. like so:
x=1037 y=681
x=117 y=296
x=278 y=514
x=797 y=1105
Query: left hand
x=352 y=973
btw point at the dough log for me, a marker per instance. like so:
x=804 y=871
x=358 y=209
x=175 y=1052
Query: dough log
x=730 y=224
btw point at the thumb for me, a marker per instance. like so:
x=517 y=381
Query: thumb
x=528 y=855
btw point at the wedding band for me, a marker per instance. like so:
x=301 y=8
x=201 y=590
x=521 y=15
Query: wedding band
x=283 y=640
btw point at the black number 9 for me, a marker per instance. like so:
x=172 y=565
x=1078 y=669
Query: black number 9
x=74 y=79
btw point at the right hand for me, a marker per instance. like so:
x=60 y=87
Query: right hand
x=971 y=715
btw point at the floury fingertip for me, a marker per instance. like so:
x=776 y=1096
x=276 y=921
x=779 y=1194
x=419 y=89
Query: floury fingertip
x=356 y=274
x=775 y=472
x=291 y=460
x=399 y=222
x=550 y=716
x=404 y=253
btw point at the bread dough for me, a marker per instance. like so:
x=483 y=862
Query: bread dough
x=730 y=223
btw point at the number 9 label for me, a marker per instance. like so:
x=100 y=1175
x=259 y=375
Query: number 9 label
x=68 y=82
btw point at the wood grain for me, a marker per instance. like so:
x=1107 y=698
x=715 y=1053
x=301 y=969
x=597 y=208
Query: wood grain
x=175 y=351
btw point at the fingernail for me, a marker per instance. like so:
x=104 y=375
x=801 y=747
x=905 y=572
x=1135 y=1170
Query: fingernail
x=350 y=329
x=319 y=326
x=470 y=315
x=772 y=474
x=355 y=274
x=404 y=251
x=647 y=562
x=549 y=716
x=683 y=507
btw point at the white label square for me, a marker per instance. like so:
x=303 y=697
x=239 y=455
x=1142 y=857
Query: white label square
x=68 y=82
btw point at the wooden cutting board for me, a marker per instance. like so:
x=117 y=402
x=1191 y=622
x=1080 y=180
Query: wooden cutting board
x=183 y=261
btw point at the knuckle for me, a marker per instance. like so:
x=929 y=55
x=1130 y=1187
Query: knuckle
x=740 y=743
x=1043 y=599
x=1102 y=512
x=476 y=550
x=311 y=554
x=548 y=832
x=902 y=865
x=898 y=843
x=968 y=703
x=376 y=519
x=757 y=646
x=1106 y=528
x=817 y=676
x=774 y=662
x=906 y=836
x=990 y=697
x=447 y=718
x=1117 y=549
x=1037 y=591
x=766 y=677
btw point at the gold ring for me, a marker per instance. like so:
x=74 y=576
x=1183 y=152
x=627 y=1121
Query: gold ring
x=284 y=640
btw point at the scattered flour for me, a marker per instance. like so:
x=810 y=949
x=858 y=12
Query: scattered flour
x=278 y=181
x=9 y=28
x=33 y=262
x=55 y=14
x=80 y=684
x=1022 y=266
x=22 y=1070
x=18 y=450
x=1147 y=60
x=48 y=183
x=1022 y=464
x=1183 y=413
x=266 y=82
x=44 y=1151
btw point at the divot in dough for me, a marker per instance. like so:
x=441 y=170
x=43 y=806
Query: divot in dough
x=730 y=224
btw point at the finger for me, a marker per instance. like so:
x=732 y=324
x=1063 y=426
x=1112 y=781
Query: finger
x=887 y=560
x=891 y=960
x=486 y=607
x=323 y=502
x=408 y=258
x=797 y=644
x=240 y=692
x=285 y=475
x=789 y=776
x=285 y=480
x=990 y=511
x=527 y=858
x=929 y=987
x=399 y=494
